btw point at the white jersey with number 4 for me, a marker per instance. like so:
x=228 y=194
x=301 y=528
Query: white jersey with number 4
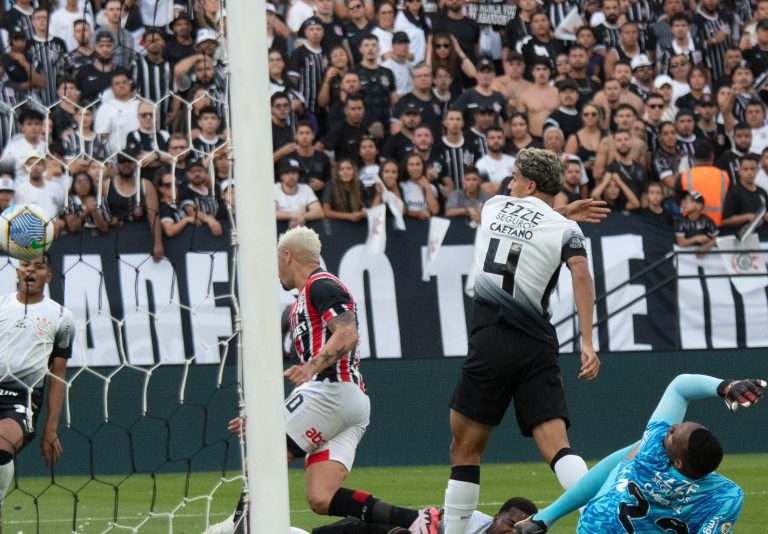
x=522 y=245
x=29 y=334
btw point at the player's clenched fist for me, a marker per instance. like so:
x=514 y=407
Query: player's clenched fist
x=745 y=392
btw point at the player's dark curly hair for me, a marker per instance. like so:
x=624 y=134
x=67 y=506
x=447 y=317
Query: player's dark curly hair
x=521 y=503
x=543 y=167
x=704 y=453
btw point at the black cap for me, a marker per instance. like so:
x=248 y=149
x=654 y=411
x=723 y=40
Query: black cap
x=696 y=197
x=707 y=100
x=126 y=155
x=568 y=83
x=743 y=64
x=183 y=15
x=483 y=107
x=195 y=161
x=685 y=112
x=311 y=21
x=762 y=25
x=103 y=34
x=288 y=165
x=411 y=107
x=400 y=37
x=485 y=63
x=18 y=32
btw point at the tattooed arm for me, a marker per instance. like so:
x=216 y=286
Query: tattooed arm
x=343 y=340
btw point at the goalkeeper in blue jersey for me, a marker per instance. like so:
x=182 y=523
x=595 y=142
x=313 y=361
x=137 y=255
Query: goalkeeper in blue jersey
x=667 y=481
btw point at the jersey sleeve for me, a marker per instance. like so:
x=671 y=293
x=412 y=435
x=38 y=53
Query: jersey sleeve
x=65 y=335
x=574 y=243
x=330 y=299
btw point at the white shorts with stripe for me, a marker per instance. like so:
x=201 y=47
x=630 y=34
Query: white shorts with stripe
x=327 y=420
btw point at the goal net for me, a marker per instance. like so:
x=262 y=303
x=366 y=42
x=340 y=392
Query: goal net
x=154 y=374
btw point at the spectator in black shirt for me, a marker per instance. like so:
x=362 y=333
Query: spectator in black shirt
x=96 y=76
x=197 y=199
x=421 y=96
x=745 y=199
x=730 y=161
x=17 y=64
x=398 y=145
x=182 y=44
x=452 y=21
x=282 y=133
x=314 y=166
x=631 y=172
x=357 y=27
x=482 y=95
x=757 y=56
x=655 y=212
x=708 y=127
x=378 y=86
x=83 y=54
x=695 y=228
x=520 y=26
x=541 y=45
x=566 y=117
x=344 y=137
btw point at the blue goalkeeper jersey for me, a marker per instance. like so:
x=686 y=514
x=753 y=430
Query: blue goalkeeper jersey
x=646 y=494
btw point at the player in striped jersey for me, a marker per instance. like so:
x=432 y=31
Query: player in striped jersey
x=307 y=67
x=46 y=53
x=666 y=482
x=19 y=18
x=717 y=29
x=154 y=73
x=328 y=411
x=608 y=30
x=513 y=348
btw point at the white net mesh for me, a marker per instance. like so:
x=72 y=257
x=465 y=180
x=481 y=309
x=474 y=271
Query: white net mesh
x=152 y=379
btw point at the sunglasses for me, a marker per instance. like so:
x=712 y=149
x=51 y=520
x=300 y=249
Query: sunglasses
x=356 y=6
x=145 y=115
x=589 y=114
x=442 y=45
x=166 y=184
x=680 y=64
x=655 y=106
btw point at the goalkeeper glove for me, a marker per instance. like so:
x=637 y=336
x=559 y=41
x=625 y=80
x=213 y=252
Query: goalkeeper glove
x=744 y=392
x=530 y=526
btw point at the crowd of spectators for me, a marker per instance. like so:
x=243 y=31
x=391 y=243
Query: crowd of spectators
x=114 y=112
x=657 y=106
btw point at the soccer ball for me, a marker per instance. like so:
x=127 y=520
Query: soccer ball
x=25 y=232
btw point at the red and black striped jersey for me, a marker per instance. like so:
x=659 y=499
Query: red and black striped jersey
x=324 y=297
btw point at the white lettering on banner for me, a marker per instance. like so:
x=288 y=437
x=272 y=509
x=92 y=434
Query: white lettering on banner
x=453 y=262
x=617 y=251
x=690 y=297
x=211 y=324
x=85 y=295
x=386 y=327
x=562 y=305
x=136 y=286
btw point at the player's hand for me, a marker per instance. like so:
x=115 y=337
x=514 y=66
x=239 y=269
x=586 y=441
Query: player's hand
x=590 y=363
x=745 y=392
x=299 y=374
x=50 y=448
x=587 y=210
x=236 y=425
x=530 y=526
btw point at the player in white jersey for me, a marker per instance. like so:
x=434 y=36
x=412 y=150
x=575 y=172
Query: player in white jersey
x=513 y=347
x=35 y=342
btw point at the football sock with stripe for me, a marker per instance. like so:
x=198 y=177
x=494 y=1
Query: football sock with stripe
x=461 y=498
x=367 y=508
x=569 y=467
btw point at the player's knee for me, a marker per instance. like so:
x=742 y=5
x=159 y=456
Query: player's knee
x=318 y=500
x=5 y=457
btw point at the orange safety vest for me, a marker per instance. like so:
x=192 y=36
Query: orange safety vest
x=711 y=182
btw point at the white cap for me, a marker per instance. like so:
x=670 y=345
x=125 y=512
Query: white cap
x=662 y=80
x=7 y=184
x=640 y=60
x=34 y=155
x=206 y=34
x=271 y=7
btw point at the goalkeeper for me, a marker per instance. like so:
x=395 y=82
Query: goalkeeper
x=667 y=481
x=35 y=337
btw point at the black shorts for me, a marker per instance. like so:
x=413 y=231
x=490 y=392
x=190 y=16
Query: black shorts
x=14 y=405
x=504 y=363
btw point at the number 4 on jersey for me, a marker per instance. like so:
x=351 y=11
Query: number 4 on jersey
x=506 y=270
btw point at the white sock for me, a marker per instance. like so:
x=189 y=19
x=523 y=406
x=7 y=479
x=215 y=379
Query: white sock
x=460 y=501
x=6 y=477
x=569 y=469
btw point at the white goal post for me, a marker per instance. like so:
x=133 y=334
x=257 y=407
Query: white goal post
x=267 y=471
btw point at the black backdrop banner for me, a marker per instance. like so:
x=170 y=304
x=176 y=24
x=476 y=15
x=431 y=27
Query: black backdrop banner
x=133 y=309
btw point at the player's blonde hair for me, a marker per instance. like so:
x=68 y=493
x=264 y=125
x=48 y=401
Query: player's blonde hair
x=301 y=239
x=543 y=167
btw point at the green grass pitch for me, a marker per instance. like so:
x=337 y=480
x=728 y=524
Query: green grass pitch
x=407 y=486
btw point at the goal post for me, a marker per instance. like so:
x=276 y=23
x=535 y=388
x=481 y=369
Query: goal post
x=267 y=472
